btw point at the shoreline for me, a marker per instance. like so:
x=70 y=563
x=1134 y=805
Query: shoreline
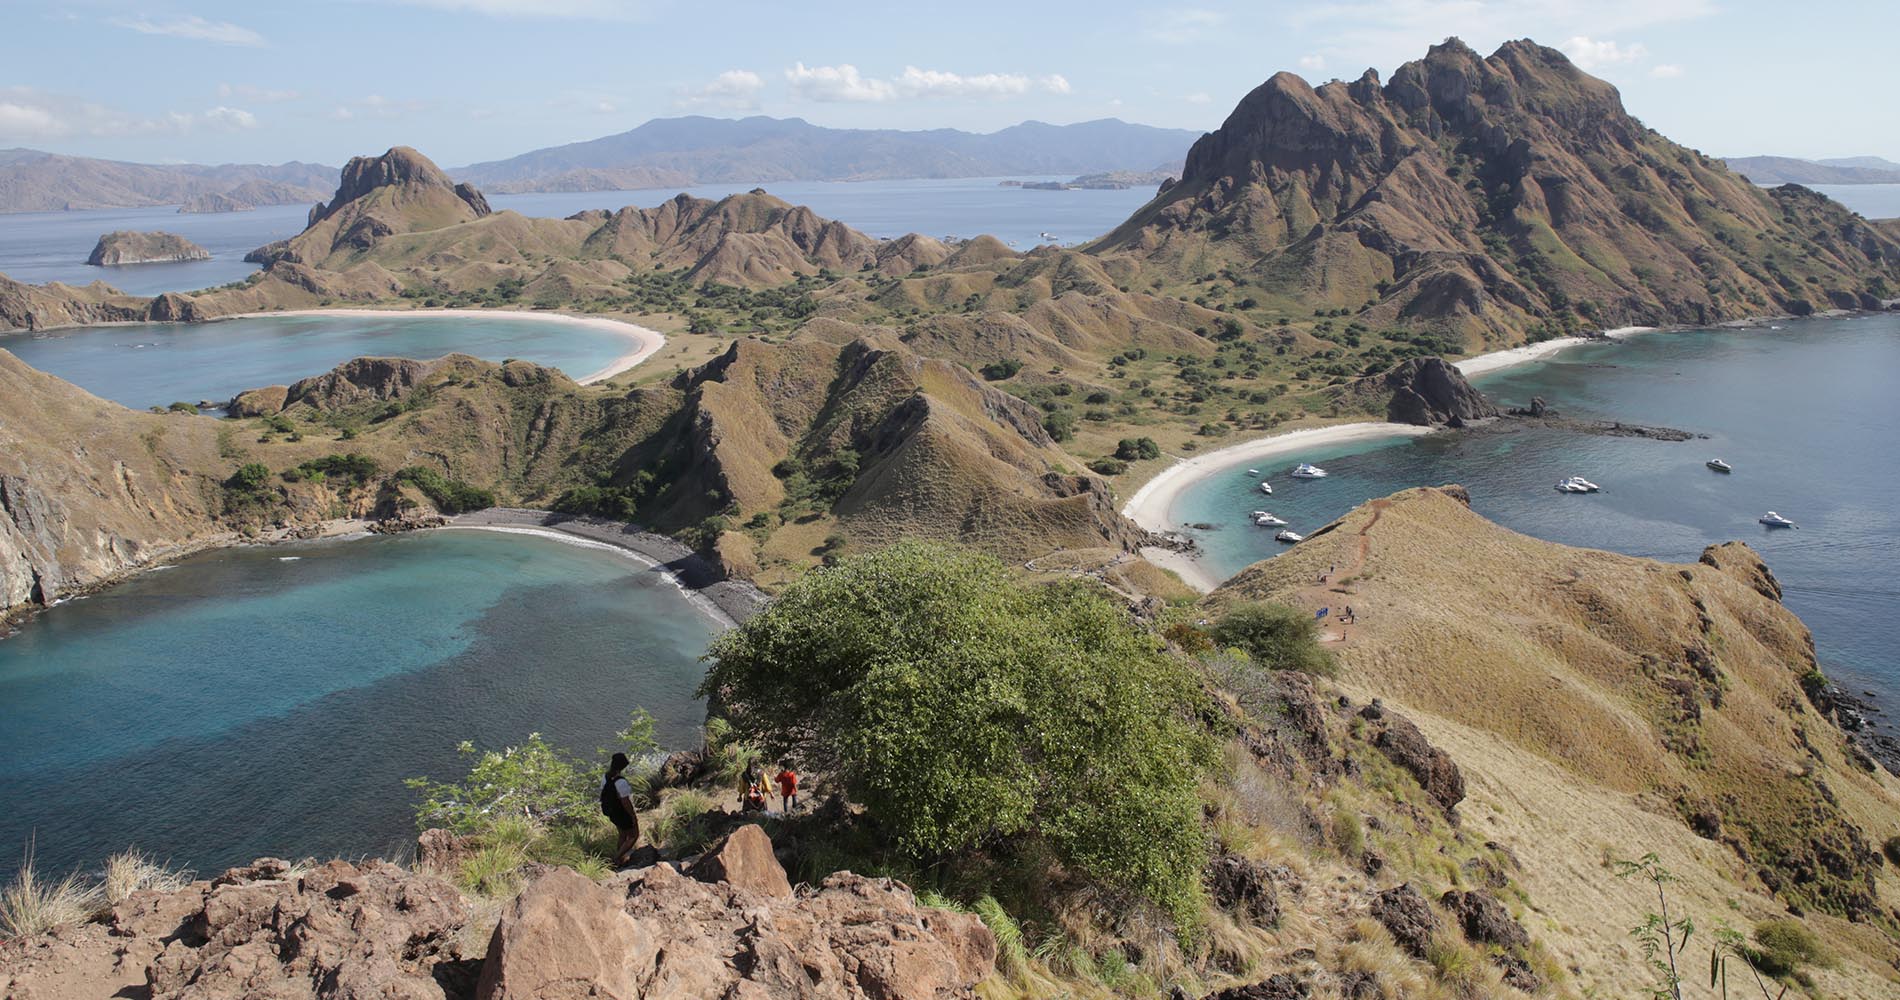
x=646 y=342
x=729 y=602
x=1511 y=357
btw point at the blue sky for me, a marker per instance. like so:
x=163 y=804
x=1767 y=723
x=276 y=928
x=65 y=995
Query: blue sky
x=467 y=80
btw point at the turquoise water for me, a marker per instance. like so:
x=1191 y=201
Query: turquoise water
x=1807 y=414
x=155 y=364
x=272 y=700
x=38 y=247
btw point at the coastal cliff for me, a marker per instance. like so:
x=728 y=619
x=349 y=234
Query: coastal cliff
x=127 y=247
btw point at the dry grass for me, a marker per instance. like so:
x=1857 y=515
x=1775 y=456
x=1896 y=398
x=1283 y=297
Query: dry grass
x=132 y=871
x=32 y=905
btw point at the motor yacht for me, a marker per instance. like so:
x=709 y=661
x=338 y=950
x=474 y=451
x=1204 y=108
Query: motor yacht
x=1774 y=520
x=1305 y=471
x=1719 y=465
x=1265 y=519
x=1288 y=535
x=1266 y=487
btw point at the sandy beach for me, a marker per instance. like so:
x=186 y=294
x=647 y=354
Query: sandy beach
x=1150 y=504
x=644 y=343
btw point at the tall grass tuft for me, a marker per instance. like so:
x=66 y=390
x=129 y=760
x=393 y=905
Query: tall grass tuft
x=132 y=871
x=1012 y=954
x=30 y=906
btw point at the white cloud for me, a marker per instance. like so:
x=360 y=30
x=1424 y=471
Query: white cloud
x=1199 y=98
x=605 y=107
x=1384 y=33
x=837 y=83
x=843 y=82
x=376 y=106
x=195 y=28
x=592 y=10
x=738 y=89
x=1591 y=55
x=1668 y=71
x=230 y=118
x=255 y=94
x=341 y=114
x=1313 y=63
x=1183 y=25
x=30 y=115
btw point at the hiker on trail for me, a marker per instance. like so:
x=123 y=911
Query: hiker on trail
x=616 y=803
x=752 y=789
x=787 y=785
x=1351 y=619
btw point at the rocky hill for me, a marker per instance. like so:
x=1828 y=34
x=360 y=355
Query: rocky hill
x=675 y=152
x=248 y=196
x=1600 y=706
x=1491 y=197
x=127 y=247
x=32 y=181
x=44 y=307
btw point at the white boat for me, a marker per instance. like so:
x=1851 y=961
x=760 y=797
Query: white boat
x=1266 y=487
x=1305 y=471
x=1719 y=465
x=1265 y=519
x=1571 y=486
x=1585 y=486
x=1774 y=520
x=1253 y=472
x=1288 y=535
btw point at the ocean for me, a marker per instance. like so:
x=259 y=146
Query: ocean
x=1805 y=412
x=271 y=700
x=38 y=247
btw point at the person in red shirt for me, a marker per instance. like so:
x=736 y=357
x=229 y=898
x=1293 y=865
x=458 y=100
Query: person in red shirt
x=787 y=785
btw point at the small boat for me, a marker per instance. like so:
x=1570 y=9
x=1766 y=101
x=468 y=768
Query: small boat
x=1719 y=465
x=1305 y=471
x=1266 y=487
x=1288 y=535
x=1774 y=520
x=1586 y=485
x=1571 y=486
x=1265 y=519
x=1253 y=472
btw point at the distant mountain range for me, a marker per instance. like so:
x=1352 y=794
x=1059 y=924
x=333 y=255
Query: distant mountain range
x=1790 y=170
x=670 y=152
x=33 y=181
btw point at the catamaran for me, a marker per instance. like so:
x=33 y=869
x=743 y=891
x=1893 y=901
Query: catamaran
x=1305 y=471
x=1265 y=519
x=1774 y=520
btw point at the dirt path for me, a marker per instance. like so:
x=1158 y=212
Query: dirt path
x=1324 y=593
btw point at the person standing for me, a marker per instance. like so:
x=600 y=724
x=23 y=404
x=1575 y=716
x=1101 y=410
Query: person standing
x=616 y=803
x=787 y=786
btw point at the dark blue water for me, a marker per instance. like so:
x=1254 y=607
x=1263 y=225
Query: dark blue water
x=155 y=364
x=39 y=247
x=1807 y=414
x=272 y=700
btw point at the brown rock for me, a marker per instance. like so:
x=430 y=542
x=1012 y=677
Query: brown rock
x=1279 y=986
x=259 y=402
x=1245 y=887
x=566 y=936
x=744 y=860
x=1401 y=741
x=1484 y=919
x=1407 y=915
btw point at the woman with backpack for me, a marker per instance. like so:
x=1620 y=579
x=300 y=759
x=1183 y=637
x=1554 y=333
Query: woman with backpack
x=616 y=803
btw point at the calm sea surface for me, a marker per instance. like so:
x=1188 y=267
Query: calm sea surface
x=1807 y=414
x=153 y=364
x=270 y=701
x=38 y=247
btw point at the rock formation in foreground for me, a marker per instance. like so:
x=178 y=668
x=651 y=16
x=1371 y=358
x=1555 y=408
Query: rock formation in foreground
x=375 y=931
x=128 y=247
x=1428 y=392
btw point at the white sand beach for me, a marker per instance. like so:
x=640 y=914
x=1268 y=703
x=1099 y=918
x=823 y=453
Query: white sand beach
x=1537 y=352
x=644 y=342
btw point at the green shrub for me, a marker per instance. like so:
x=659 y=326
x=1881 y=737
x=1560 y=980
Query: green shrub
x=1276 y=636
x=996 y=371
x=450 y=496
x=964 y=707
x=357 y=469
x=251 y=477
x=1108 y=466
x=183 y=407
x=1137 y=449
x=1060 y=424
x=1784 y=946
x=536 y=781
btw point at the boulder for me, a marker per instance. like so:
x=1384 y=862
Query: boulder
x=744 y=860
x=1484 y=919
x=567 y=936
x=680 y=768
x=1407 y=915
x=1431 y=392
x=1400 y=740
x=1244 y=887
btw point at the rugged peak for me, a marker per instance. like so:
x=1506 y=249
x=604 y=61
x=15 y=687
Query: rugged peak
x=403 y=167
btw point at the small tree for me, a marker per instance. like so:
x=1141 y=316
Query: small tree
x=1662 y=939
x=1276 y=636
x=536 y=781
x=965 y=708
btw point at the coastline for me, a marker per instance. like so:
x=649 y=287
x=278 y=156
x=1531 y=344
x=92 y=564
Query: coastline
x=729 y=602
x=645 y=342
x=1150 y=504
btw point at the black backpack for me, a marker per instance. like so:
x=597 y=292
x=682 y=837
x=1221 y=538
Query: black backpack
x=610 y=805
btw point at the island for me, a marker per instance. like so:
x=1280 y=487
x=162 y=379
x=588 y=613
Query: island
x=129 y=247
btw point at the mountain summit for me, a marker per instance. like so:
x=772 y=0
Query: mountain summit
x=1495 y=198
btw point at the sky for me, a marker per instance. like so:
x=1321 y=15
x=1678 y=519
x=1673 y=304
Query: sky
x=469 y=80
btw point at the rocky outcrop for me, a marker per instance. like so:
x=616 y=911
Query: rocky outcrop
x=1245 y=888
x=1484 y=919
x=128 y=247
x=1427 y=392
x=655 y=933
x=1399 y=739
x=45 y=307
x=263 y=402
x=1407 y=916
x=336 y=932
x=744 y=860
